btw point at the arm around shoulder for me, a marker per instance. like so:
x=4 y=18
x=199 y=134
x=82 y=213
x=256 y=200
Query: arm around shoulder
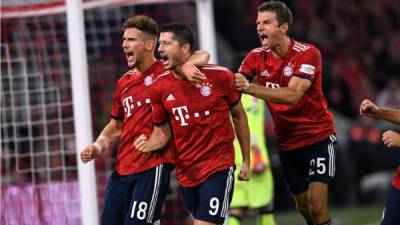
x=190 y=68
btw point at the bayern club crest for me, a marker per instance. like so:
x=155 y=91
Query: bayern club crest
x=148 y=80
x=205 y=89
x=288 y=71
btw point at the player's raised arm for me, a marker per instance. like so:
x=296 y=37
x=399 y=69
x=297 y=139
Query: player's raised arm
x=158 y=139
x=110 y=133
x=368 y=108
x=242 y=131
x=285 y=95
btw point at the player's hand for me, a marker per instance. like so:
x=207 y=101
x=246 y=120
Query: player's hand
x=367 y=108
x=241 y=83
x=192 y=73
x=244 y=173
x=142 y=144
x=391 y=139
x=89 y=152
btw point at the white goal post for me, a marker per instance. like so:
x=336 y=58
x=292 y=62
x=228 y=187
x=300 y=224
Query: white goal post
x=81 y=103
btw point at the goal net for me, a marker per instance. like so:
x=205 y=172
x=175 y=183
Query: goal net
x=39 y=169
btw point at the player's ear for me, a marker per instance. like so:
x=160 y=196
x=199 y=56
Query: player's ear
x=284 y=28
x=150 y=44
x=186 y=47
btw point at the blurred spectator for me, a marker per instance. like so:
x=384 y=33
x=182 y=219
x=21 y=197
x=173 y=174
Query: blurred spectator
x=389 y=97
x=393 y=61
x=338 y=92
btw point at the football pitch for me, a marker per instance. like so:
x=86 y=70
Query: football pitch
x=363 y=215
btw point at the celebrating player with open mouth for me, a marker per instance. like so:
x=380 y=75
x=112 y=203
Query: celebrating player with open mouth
x=289 y=77
x=201 y=128
x=137 y=188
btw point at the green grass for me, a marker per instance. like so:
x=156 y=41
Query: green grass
x=365 y=215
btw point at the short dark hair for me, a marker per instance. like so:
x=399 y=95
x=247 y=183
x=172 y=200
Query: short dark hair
x=283 y=13
x=182 y=33
x=143 y=23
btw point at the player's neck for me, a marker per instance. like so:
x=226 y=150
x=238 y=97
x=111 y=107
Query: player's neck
x=178 y=72
x=178 y=68
x=280 y=50
x=147 y=63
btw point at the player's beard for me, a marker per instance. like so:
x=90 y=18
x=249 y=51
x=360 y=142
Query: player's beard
x=135 y=62
x=171 y=62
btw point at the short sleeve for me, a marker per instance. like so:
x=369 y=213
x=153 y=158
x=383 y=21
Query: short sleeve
x=309 y=64
x=159 y=113
x=248 y=66
x=117 y=110
x=233 y=96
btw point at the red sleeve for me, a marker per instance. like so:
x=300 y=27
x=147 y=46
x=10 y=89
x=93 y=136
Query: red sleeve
x=309 y=64
x=248 y=66
x=233 y=96
x=117 y=110
x=159 y=114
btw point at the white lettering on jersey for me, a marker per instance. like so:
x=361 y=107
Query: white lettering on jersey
x=128 y=105
x=308 y=69
x=271 y=85
x=181 y=113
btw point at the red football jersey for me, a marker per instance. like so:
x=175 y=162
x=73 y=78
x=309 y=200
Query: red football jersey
x=308 y=121
x=131 y=102
x=396 y=179
x=200 y=122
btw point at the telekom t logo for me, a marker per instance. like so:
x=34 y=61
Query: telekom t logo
x=181 y=113
x=128 y=105
x=271 y=85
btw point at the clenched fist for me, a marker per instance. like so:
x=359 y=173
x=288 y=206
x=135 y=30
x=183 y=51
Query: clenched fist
x=89 y=152
x=391 y=139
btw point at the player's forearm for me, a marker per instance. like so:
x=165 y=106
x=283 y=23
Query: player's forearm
x=199 y=58
x=284 y=95
x=391 y=115
x=243 y=135
x=108 y=136
x=159 y=138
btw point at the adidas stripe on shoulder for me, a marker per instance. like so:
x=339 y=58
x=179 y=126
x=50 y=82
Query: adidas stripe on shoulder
x=214 y=67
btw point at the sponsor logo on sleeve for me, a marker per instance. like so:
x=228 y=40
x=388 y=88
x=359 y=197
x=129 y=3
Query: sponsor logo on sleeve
x=307 y=69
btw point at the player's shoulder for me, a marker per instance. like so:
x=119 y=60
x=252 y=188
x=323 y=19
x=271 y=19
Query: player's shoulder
x=259 y=50
x=158 y=67
x=212 y=68
x=126 y=76
x=303 y=48
x=161 y=78
x=217 y=74
x=128 y=73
